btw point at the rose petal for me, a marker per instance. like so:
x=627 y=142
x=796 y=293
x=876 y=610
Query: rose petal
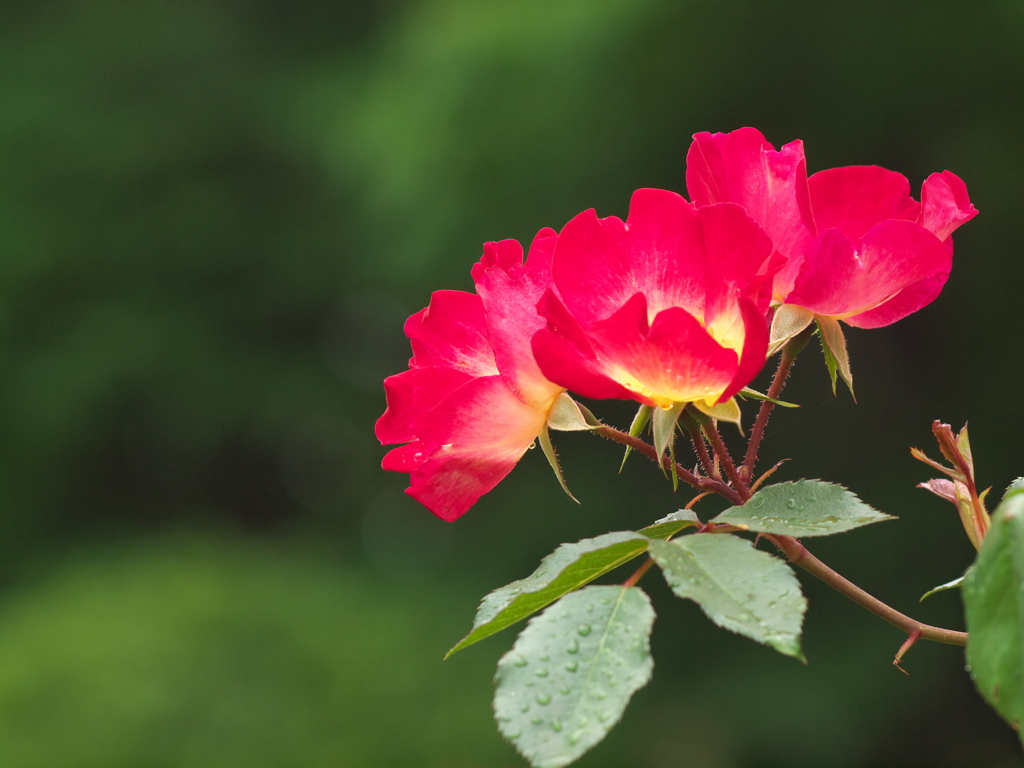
x=742 y=167
x=945 y=204
x=906 y=302
x=675 y=360
x=467 y=445
x=855 y=198
x=411 y=394
x=840 y=281
x=566 y=356
x=452 y=333
x=510 y=291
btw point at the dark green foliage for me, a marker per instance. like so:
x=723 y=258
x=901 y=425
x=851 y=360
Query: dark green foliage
x=993 y=592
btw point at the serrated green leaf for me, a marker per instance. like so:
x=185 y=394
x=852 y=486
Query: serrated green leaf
x=994 y=606
x=1014 y=487
x=738 y=587
x=566 y=569
x=943 y=587
x=571 y=673
x=802 y=508
x=671 y=524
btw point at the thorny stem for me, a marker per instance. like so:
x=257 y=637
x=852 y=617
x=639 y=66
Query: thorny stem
x=799 y=555
x=757 y=433
x=796 y=552
x=700 y=483
x=715 y=437
x=702 y=455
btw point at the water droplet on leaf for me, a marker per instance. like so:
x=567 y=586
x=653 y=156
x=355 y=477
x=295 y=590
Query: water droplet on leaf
x=583 y=629
x=543 y=699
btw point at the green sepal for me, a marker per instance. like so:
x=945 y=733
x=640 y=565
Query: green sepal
x=663 y=424
x=943 y=587
x=728 y=411
x=671 y=524
x=833 y=346
x=753 y=394
x=740 y=588
x=802 y=508
x=544 y=438
x=568 y=568
x=571 y=673
x=566 y=415
x=788 y=322
x=639 y=422
x=994 y=610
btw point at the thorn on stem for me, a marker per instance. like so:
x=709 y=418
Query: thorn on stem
x=912 y=638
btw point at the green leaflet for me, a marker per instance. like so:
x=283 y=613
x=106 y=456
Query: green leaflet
x=802 y=508
x=671 y=524
x=566 y=569
x=738 y=587
x=994 y=607
x=957 y=582
x=572 y=671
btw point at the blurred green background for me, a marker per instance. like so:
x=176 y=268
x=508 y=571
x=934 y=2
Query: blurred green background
x=214 y=218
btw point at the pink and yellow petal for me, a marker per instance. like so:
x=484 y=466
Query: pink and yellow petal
x=673 y=360
x=467 y=445
x=411 y=394
x=510 y=291
x=452 y=332
x=737 y=264
x=566 y=356
x=742 y=167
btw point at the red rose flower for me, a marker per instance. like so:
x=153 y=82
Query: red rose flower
x=473 y=399
x=667 y=307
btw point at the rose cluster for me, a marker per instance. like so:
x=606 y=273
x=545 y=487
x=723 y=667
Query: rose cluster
x=673 y=305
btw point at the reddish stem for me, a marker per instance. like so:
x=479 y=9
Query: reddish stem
x=757 y=433
x=700 y=483
x=722 y=453
x=639 y=573
x=702 y=455
x=799 y=555
x=796 y=552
